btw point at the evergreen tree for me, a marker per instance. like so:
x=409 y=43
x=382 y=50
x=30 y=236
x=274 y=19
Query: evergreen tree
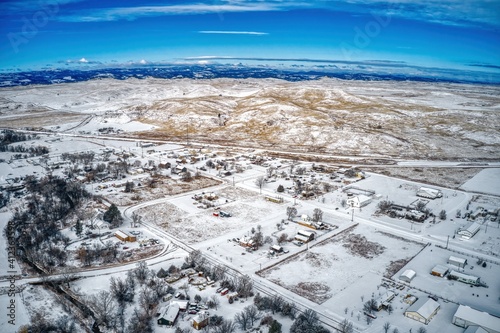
x=78 y=228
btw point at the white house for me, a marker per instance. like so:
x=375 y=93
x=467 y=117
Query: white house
x=408 y=275
x=358 y=201
x=423 y=310
x=467 y=317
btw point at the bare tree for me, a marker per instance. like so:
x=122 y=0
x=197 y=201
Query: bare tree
x=227 y=326
x=291 y=212
x=317 y=215
x=141 y=272
x=136 y=219
x=104 y=308
x=242 y=320
x=386 y=327
x=422 y=330
x=252 y=313
x=282 y=238
x=260 y=181
x=346 y=326
x=213 y=302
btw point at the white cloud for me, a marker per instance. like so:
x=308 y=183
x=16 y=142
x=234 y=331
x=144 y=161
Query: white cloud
x=143 y=62
x=114 y=14
x=232 y=32
x=449 y=12
x=83 y=60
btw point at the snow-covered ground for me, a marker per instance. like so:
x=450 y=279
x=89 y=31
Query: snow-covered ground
x=485 y=181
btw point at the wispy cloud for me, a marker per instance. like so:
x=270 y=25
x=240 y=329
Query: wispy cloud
x=131 y=13
x=447 y=12
x=233 y=32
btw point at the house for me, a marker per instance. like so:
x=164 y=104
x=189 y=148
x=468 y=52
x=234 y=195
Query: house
x=423 y=310
x=429 y=193
x=408 y=275
x=465 y=278
x=439 y=270
x=169 y=315
x=469 y=231
x=459 y=262
x=247 y=242
x=358 y=201
x=125 y=236
x=383 y=300
x=200 y=320
x=468 y=317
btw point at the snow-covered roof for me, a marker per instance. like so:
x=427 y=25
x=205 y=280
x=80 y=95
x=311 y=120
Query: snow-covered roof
x=305 y=233
x=301 y=238
x=483 y=319
x=424 y=307
x=408 y=274
x=440 y=269
x=464 y=276
x=171 y=312
x=120 y=234
x=457 y=260
x=471 y=229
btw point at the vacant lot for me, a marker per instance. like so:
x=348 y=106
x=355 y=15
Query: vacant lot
x=341 y=262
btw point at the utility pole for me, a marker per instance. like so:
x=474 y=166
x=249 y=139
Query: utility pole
x=447 y=241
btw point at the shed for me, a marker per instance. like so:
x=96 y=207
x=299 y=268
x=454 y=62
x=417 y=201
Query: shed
x=469 y=231
x=456 y=261
x=408 y=275
x=169 y=315
x=423 y=310
x=467 y=316
x=439 y=270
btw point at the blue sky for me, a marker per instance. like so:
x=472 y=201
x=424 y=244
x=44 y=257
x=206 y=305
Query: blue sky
x=433 y=33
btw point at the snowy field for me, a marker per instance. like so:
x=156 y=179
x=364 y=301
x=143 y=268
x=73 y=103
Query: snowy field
x=487 y=181
x=480 y=298
x=331 y=267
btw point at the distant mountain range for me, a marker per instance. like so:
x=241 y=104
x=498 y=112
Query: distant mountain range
x=290 y=72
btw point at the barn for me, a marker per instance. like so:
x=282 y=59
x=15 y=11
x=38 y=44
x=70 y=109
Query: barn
x=468 y=317
x=408 y=275
x=423 y=310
